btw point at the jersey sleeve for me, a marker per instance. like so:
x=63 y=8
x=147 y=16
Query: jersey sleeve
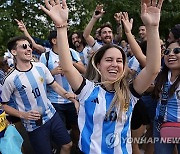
x=134 y=95
x=43 y=58
x=84 y=90
x=74 y=55
x=96 y=46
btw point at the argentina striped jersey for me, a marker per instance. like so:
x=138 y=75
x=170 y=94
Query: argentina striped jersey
x=100 y=134
x=53 y=62
x=84 y=55
x=28 y=89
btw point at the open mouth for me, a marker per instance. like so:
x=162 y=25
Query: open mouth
x=172 y=60
x=113 y=72
x=28 y=54
x=76 y=43
x=108 y=38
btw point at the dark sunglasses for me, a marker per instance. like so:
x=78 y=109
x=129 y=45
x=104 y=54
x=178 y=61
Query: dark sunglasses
x=175 y=50
x=162 y=46
x=25 y=46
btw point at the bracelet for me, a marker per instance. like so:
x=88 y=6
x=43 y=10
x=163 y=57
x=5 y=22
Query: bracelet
x=62 y=26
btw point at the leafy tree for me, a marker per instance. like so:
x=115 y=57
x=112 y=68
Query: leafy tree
x=39 y=24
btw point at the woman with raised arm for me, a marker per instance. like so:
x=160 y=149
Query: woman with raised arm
x=106 y=103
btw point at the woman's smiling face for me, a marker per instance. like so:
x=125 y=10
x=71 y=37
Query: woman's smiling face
x=111 y=65
x=172 y=59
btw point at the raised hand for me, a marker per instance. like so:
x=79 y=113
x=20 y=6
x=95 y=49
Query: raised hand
x=58 y=12
x=117 y=17
x=150 y=12
x=126 y=22
x=98 y=13
x=21 y=25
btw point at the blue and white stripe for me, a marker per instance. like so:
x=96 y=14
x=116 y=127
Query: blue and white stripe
x=84 y=55
x=53 y=62
x=28 y=89
x=94 y=130
x=96 y=46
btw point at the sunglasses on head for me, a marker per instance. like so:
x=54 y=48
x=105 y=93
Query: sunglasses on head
x=175 y=50
x=25 y=46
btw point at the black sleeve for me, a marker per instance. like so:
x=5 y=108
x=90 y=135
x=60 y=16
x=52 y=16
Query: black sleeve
x=51 y=82
x=94 y=44
x=77 y=92
x=4 y=102
x=132 y=90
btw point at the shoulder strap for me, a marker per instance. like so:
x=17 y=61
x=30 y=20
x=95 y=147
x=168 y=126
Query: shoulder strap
x=163 y=105
x=47 y=58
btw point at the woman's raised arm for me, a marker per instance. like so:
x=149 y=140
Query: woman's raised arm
x=150 y=15
x=59 y=14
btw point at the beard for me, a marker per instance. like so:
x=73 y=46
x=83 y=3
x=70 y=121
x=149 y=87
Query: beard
x=107 y=40
x=77 y=44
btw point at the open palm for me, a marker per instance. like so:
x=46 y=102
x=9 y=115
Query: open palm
x=151 y=16
x=58 y=12
x=126 y=22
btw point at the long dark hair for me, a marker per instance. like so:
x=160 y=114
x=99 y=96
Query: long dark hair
x=161 y=79
x=80 y=36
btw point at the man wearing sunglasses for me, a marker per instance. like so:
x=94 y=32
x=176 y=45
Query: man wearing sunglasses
x=27 y=85
x=50 y=58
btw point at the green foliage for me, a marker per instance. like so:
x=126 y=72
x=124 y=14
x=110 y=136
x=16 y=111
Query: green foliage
x=39 y=24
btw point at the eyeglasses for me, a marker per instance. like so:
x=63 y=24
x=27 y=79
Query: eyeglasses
x=175 y=50
x=25 y=46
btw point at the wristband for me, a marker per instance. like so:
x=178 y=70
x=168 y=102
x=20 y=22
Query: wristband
x=61 y=26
